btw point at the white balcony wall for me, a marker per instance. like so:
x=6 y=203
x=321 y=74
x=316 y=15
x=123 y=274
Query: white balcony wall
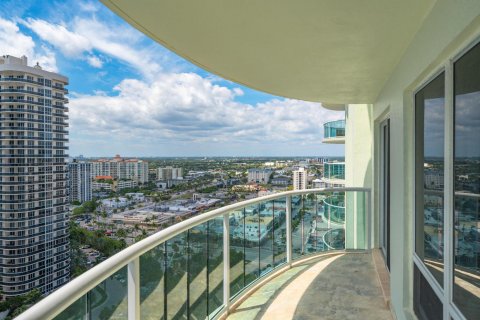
x=449 y=28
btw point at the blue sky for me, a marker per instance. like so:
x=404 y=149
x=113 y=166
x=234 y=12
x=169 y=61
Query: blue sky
x=131 y=96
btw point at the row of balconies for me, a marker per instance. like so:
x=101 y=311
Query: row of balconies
x=7 y=98
x=26 y=200
x=20 y=217
x=22 y=207
x=33 y=190
x=38 y=83
x=20 y=118
x=9 y=128
x=36 y=251
x=6 y=155
x=35 y=274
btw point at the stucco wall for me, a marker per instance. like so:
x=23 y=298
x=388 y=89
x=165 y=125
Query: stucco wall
x=450 y=27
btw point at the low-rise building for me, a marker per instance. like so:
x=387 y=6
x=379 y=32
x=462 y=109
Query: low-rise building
x=257 y=175
x=281 y=181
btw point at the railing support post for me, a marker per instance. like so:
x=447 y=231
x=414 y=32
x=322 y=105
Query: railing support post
x=133 y=289
x=369 y=220
x=226 y=261
x=289 y=229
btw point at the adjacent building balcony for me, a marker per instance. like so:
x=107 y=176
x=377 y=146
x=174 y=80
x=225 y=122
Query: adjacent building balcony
x=208 y=265
x=334 y=132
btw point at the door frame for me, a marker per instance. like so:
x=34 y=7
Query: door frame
x=384 y=188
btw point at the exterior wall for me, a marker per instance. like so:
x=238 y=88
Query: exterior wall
x=34 y=251
x=449 y=28
x=169 y=173
x=80 y=182
x=118 y=168
x=259 y=175
x=300 y=179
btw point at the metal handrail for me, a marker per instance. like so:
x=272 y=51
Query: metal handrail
x=59 y=300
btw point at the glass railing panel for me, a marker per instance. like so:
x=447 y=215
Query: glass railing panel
x=76 y=311
x=334 y=214
x=310 y=209
x=251 y=244
x=152 y=283
x=215 y=264
x=237 y=251
x=297 y=226
x=319 y=224
x=198 y=271
x=279 y=231
x=176 y=276
x=108 y=300
x=265 y=226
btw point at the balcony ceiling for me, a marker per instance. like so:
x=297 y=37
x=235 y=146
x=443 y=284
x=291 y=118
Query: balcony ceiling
x=340 y=51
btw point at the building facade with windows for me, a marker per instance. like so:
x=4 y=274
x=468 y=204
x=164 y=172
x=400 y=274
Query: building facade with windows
x=257 y=175
x=34 y=246
x=300 y=180
x=169 y=173
x=79 y=181
x=120 y=168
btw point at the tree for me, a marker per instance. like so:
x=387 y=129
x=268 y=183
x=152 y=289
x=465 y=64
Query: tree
x=121 y=233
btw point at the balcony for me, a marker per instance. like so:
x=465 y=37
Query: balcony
x=331 y=286
x=205 y=265
x=334 y=132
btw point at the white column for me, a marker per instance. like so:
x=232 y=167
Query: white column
x=226 y=261
x=289 y=229
x=133 y=275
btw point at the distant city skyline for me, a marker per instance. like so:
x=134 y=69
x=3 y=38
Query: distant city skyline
x=129 y=95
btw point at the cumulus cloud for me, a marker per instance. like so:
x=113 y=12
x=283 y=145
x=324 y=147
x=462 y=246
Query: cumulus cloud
x=188 y=107
x=69 y=43
x=86 y=34
x=14 y=42
x=95 y=61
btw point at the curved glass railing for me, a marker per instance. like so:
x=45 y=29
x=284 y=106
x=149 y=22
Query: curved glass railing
x=334 y=207
x=334 y=170
x=334 y=129
x=196 y=268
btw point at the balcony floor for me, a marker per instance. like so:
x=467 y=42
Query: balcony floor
x=343 y=286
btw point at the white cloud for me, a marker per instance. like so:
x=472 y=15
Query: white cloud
x=184 y=107
x=88 y=6
x=95 y=61
x=84 y=35
x=14 y=42
x=69 y=43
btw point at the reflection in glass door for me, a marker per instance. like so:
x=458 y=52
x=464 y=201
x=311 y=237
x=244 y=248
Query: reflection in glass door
x=385 y=191
x=466 y=166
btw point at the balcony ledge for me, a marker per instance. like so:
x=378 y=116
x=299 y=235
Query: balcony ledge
x=334 y=140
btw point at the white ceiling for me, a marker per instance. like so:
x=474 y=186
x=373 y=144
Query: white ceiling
x=332 y=51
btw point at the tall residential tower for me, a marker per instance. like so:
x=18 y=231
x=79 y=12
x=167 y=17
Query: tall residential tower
x=34 y=249
x=79 y=181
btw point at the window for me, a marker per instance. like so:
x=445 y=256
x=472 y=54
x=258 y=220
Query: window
x=447 y=237
x=466 y=165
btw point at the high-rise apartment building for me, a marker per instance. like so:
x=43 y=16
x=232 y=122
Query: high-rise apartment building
x=169 y=173
x=34 y=248
x=119 y=168
x=300 y=179
x=79 y=181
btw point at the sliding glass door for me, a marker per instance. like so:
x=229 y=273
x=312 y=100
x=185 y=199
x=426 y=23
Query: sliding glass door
x=447 y=192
